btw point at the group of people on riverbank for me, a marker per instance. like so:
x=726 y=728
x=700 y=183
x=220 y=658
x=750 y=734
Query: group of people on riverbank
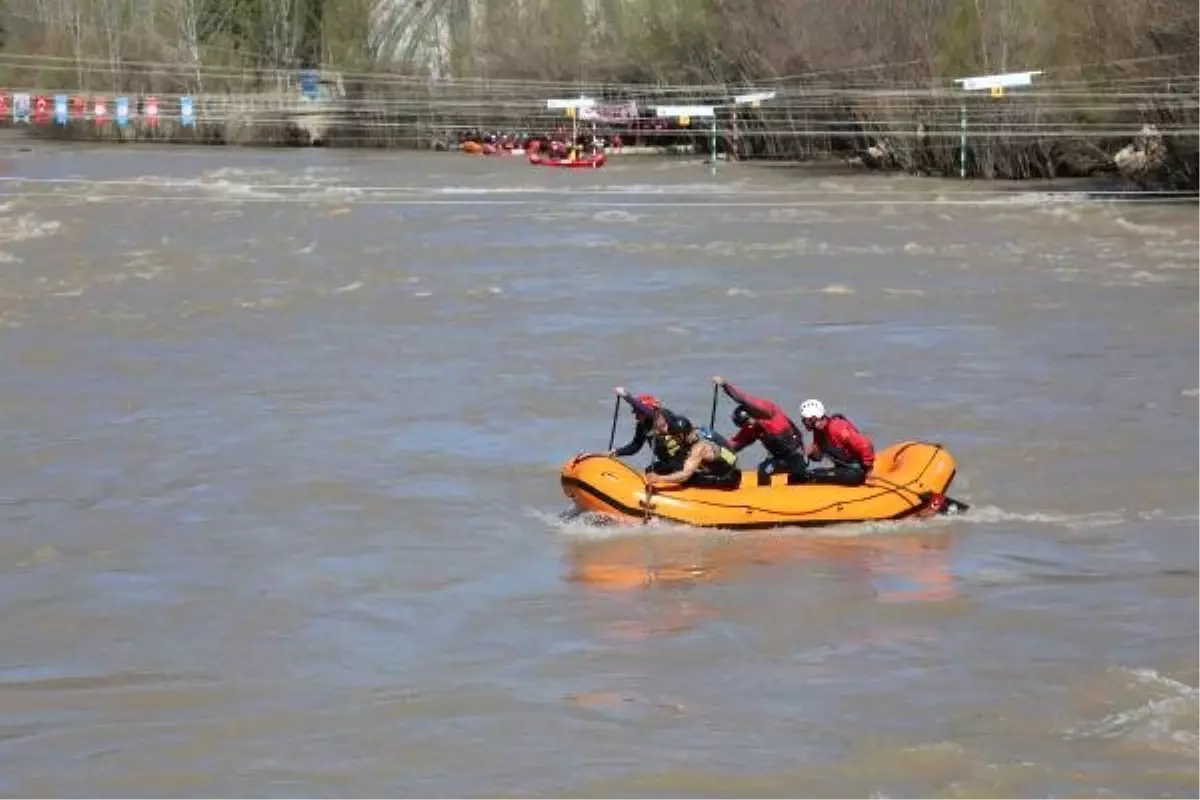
x=687 y=455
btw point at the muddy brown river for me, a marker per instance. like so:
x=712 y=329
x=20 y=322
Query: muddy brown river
x=281 y=512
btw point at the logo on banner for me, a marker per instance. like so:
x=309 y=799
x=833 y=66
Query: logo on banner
x=60 y=109
x=187 y=115
x=122 y=111
x=21 y=107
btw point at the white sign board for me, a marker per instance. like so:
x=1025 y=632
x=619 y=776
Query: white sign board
x=579 y=102
x=610 y=113
x=997 y=81
x=753 y=97
x=684 y=111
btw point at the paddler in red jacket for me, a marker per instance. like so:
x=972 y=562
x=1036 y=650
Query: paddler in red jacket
x=836 y=438
x=760 y=420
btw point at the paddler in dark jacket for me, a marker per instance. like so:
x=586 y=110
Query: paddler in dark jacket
x=668 y=451
x=760 y=420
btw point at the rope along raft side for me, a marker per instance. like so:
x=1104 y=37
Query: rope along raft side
x=909 y=479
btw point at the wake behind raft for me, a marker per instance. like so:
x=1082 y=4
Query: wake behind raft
x=909 y=479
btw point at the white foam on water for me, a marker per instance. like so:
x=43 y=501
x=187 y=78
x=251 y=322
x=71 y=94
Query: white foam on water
x=349 y=287
x=26 y=227
x=1059 y=212
x=1159 y=514
x=905 y=292
x=222 y=173
x=981 y=515
x=1174 y=265
x=223 y=189
x=1139 y=278
x=738 y=292
x=1143 y=229
x=325 y=193
x=485 y=190
x=836 y=288
x=616 y=215
x=797 y=216
x=1190 y=393
x=720 y=248
x=593 y=525
x=1166 y=720
x=991 y=515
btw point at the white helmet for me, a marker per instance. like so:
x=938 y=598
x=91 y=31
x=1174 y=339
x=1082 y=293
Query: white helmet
x=812 y=409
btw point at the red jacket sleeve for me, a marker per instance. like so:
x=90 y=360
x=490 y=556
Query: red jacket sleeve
x=758 y=407
x=744 y=438
x=853 y=440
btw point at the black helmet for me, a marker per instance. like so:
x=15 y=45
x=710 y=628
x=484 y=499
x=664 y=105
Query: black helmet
x=741 y=416
x=678 y=425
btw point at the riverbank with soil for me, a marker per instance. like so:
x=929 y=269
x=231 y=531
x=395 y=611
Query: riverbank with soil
x=1153 y=145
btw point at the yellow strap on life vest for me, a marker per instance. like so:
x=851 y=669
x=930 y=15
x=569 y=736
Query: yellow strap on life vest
x=727 y=455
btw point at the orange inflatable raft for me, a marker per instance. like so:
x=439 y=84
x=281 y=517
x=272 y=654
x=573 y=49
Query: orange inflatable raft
x=909 y=479
x=582 y=162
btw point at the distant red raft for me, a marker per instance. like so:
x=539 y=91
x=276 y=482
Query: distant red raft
x=586 y=162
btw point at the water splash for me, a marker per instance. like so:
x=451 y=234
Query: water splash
x=597 y=525
x=1164 y=720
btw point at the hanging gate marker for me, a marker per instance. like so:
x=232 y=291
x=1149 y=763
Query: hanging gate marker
x=996 y=84
x=572 y=106
x=685 y=113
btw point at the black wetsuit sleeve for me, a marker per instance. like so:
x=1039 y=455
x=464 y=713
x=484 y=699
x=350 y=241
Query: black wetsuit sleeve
x=635 y=444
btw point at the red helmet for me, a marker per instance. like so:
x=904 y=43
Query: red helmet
x=650 y=401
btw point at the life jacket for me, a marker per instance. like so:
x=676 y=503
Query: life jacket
x=838 y=455
x=726 y=461
x=669 y=447
x=780 y=442
x=777 y=432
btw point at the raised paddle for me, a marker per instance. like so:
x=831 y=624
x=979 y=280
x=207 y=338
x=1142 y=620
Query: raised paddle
x=612 y=435
x=712 y=416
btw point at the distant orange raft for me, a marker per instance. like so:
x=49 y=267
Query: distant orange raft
x=594 y=161
x=909 y=479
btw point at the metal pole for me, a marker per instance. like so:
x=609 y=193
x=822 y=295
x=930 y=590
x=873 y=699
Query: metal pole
x=962 y=147
x=713 y=142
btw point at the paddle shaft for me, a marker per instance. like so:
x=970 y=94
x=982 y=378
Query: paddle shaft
x=612 y=434
x=712 y=416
